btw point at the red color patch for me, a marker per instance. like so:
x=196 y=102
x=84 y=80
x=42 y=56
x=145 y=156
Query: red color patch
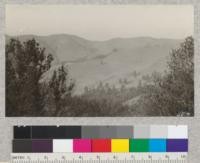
x=101 y=145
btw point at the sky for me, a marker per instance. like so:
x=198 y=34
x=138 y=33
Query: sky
x=101 y=22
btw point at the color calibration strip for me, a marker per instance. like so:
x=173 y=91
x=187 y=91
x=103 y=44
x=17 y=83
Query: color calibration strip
x=87 y=139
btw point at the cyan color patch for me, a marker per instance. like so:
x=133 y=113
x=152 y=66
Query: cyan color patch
x=157 y=145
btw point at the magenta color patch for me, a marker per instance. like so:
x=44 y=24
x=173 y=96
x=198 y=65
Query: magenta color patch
x=82 y=145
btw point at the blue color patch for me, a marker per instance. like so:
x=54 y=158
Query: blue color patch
x=157 y=145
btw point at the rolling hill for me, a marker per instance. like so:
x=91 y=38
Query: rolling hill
x=90 y=62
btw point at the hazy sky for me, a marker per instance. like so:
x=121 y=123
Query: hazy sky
x=101 y=22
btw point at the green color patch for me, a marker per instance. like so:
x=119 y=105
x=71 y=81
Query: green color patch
x=139 y=145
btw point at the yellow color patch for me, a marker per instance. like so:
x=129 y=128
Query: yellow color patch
x=120 y=145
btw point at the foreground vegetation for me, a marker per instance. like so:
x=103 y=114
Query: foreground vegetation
x=27 y=94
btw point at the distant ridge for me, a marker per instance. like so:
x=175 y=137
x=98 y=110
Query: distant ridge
x=108 y=61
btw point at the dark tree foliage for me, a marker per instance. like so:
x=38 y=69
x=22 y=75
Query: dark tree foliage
x=61 y=88
x=11 y=89
x=173 y=93
x=25 y=65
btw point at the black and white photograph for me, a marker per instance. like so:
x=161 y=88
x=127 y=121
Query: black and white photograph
x=99 y=60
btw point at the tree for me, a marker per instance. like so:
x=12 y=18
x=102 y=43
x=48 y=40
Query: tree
x=25 y=65
x=173 y=93
x=61 y=87
x=180 y=78
x=11 y=89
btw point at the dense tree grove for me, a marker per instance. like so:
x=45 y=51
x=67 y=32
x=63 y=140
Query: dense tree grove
x=28 y=93
x=172 y=94
x=25 y=66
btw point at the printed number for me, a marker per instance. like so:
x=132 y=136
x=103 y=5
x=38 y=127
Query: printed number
x=183 y=156
x=114 y=157
x=63 y=157
x=166 y=156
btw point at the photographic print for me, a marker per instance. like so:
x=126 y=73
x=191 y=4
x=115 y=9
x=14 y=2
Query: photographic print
x=99 y=60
